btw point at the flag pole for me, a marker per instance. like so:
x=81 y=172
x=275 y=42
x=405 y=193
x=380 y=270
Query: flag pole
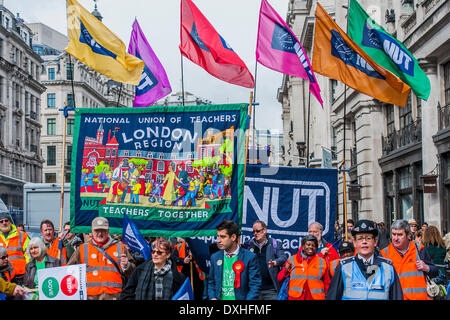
x=63 y=165
x=182 y=79
x=307 y=142
x=343 y=168
x=246 y=134
x=255 y=153
x=192 y=275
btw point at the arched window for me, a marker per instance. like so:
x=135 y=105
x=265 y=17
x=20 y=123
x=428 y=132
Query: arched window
x=149 y=166
x=160 y=166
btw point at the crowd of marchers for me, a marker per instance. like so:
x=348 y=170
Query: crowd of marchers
x=364 y=262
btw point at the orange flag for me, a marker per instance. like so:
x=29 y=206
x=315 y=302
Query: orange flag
x=336 y=56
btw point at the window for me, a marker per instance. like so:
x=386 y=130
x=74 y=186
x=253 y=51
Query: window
x=70 y=100
x=51 y=155
x=51 y=126
x=70 y=124
x=51 y=73
x=447 y=82
x=69 y=71
x=51 y=100
x=160 y=166
x=406 y=114
x=149 y=166
x=69 y=155
x=390 y=123
x=50 y=177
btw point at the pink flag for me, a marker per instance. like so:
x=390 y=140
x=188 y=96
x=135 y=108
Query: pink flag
x=278 y=48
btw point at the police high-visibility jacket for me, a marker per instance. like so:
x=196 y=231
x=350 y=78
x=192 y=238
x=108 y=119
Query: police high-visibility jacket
x=101 y=274
x=375 y=287
x=58 y=251
x=412 y=280
x=308 y=271
x=16 y=244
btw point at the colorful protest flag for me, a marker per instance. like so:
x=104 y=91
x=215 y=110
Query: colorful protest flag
x=278 y=48
x=338 y=57
x=204 y=46
x=185 y=292
x=134 y=239
x=154 y=84
x=386 y=50
x=99 y=48
x=175 y=172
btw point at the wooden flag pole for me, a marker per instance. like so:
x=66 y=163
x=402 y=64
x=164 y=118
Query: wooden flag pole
x=343 y=168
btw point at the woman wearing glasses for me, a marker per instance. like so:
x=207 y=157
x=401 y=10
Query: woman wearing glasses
x=155 y=279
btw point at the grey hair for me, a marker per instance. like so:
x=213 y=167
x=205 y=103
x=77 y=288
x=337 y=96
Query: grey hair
x=318 y=226
x=3 y=251
x=401 y=224
x=37 y=241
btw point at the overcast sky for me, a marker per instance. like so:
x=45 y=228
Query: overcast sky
x=235 y=20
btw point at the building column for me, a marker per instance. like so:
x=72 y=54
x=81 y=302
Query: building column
x=431 y=201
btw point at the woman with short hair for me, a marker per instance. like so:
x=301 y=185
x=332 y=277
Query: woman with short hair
x=156 y=278
x=37 y=251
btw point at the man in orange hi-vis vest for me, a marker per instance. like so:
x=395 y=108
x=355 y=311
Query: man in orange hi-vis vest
x=410 y=261
x=15 y=242
x=107 y=260
x=55 y=246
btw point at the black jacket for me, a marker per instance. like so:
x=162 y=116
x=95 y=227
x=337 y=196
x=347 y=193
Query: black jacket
x=129 y=292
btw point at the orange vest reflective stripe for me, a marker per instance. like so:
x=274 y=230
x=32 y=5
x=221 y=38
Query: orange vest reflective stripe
x=56 y=253
x=333 y=266
x=412 y=280
x=101 y=275
x=15 y=250
x=311 y=273
x=181 y=253
x=201 y=274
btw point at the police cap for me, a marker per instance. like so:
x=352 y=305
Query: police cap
x=365 y=226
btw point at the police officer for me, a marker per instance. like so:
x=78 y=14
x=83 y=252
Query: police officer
x=366 y=276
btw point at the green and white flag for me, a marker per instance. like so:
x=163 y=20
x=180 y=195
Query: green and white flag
x=386 y=51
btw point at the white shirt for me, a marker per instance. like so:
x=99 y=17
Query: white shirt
x=232 y=254
x=368 y=261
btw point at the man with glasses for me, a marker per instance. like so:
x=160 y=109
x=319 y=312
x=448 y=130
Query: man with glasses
x=107 y=262
x=366 y=276
x=271 y=257
x=15 y=242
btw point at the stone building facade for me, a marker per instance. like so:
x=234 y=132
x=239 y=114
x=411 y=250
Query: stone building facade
x=20 y=95
x=388 y=149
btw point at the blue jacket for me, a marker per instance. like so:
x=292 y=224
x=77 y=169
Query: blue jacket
x=250 y=278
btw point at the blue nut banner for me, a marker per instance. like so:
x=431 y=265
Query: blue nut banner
x=175 y=171
x=288 y=202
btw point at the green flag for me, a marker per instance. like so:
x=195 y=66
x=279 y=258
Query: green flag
x=385 y=50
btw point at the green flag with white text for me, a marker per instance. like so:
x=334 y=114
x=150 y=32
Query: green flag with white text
x=385 y=50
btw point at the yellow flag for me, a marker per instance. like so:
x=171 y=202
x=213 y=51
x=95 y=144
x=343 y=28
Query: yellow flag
x=337 y=56
x=99 y=48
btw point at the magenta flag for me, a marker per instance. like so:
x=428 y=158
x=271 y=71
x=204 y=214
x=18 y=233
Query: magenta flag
x=278 y=49
x=154 y=84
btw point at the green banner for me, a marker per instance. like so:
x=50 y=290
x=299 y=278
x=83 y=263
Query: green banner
x=386 y=51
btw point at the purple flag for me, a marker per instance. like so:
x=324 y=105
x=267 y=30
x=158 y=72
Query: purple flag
x=154 y=84
x=279 y=49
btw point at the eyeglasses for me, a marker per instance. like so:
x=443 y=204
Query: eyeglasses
x=158 y=252
x=4 y=221
x=258 y=231
x=4 y=257
x=367 y=238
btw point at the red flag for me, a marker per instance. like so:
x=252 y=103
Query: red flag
x=201 y=44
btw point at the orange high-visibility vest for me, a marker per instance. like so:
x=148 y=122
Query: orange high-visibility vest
x=56 y=253
x=181 y=253
x=412 y=280
x=311 y=273
x=9 y=275
x=332 y=267
x=16 y=244
x=101 y=274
